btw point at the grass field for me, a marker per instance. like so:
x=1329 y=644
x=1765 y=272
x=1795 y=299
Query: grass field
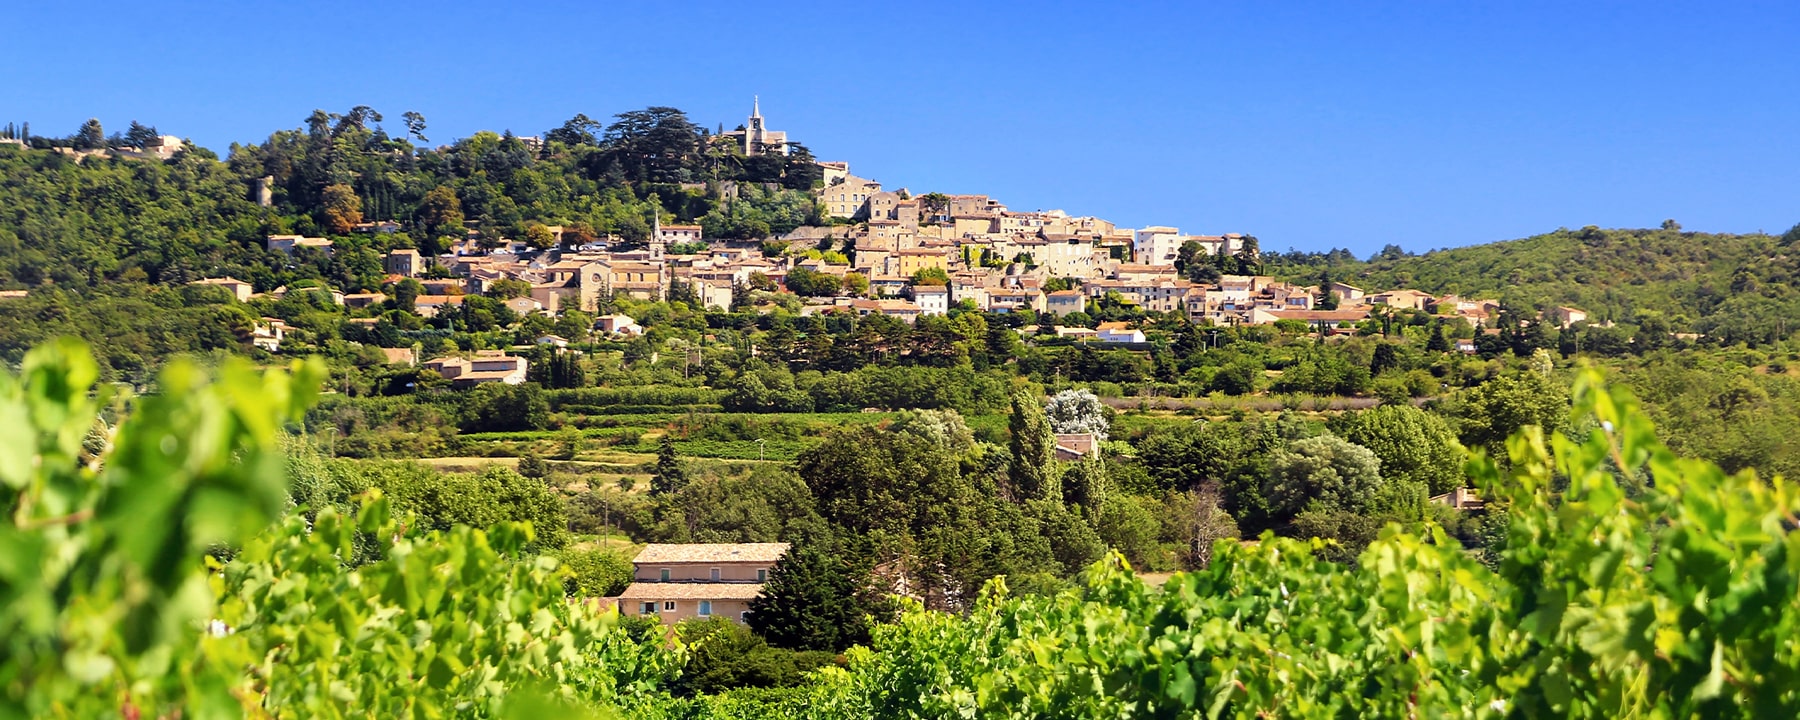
x=614 y=542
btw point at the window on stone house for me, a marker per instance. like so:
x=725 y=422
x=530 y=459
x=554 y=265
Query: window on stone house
x=669 y=605
x=705 y=608
x=762 y=575
x=715 y=574
x=665 y=574
x=648 y=608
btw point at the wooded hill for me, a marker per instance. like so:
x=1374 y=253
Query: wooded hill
x=99 y=219
x=1736 y=288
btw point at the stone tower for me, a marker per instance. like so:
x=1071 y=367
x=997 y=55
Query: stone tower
x=658 y=248
x=753 y=130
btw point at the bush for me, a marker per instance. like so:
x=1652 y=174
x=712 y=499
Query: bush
x=594 y=572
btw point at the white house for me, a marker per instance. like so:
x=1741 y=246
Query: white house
x=289 y=243
x=268 y=334
x=1156 y=245
x=932 y=299
x=1118 y=332
x=618 y=325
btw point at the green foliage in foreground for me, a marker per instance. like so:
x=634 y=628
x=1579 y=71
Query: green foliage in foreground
x=1630 y=584
x=108 y=611
x=456 y=610
x=1680 y=602
x=101 y=586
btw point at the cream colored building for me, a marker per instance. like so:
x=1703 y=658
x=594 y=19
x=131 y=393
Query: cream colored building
x=1156 y=245
x=882 y=204
x=487 y=366
x=405 y=261
x=1072 y=256
x=238 y=288
x=846 y=199
x=676 y=582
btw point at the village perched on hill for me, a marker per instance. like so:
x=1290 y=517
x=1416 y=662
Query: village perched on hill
x=1069 y=361
x=878 y=251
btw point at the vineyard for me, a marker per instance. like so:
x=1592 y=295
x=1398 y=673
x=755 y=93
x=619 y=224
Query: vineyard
x=151 y=566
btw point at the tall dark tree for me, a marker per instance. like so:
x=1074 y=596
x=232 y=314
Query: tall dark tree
x=559 y=369
x=1184 y=258
x=1435 y=340
x=656 y=144
x=670 y=477
x=800 y=170
x=141 y=136
x=91 y=136
x=1383 y=359
x=579 y=130
x=1033 y=471
x=1249 y=256
x=811 y=602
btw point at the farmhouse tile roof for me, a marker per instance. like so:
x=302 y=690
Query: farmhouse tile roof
x=711 y=552
x=691 y=591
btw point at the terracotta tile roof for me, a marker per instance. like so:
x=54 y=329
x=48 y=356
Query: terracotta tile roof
x=691 y=591
x=711 y=552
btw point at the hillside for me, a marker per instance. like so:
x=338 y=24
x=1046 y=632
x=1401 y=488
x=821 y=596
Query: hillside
x=107 y=219
x=1737 y=287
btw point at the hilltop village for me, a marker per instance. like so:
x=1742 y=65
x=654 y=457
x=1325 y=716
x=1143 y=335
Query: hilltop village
x=879 y=251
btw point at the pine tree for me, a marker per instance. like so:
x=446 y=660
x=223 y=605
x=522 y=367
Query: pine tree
x=810 y=603
x=1384 y=359
x=141 y=136
x=1437 y=342
x=91 y=136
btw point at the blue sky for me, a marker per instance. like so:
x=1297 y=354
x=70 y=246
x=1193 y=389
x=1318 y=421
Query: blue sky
x=1310 y=125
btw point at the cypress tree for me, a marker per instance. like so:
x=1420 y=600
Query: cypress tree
x=670 y=478
x=1437 y=342
x=1033 y=471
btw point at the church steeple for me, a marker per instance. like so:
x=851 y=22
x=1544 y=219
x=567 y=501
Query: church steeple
x=753 y=130
x=758 y=138
x=657 y=245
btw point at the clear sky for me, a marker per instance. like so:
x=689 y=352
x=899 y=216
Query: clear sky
x=1311 y=125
